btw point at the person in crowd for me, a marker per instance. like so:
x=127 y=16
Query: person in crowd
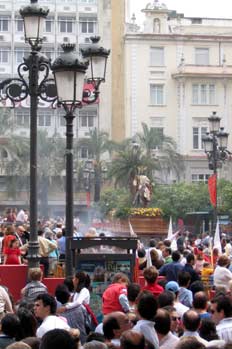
x=163 y=329
x=133 y=290
x=221 y=310
x=18 y=345
x=5 y=302
x=189 y=342
x=76 y=316
x=142 y=258
x=22 y=235
x=34 y=286
x=33 y=342
x=208 y=330
x=132 y=340
x=10 y=326
x=189 y=267
x=185 y=295
x=174 y=287
x=228 y=248
x=95 y=344
x=22 y=217
x=196 y=286
x=81 y=282
x=166 y=298
x=114 y=297
x=222 y=275
x=53 y=256
x=200 y=305
x=199 y=263
x=59 y=339
x=45 y=247
x=150 y=275
x=146 y=310
x=9 y=234
x=167 y=255
x=114 y=324
x=45 y=310
x=12 y=253
x=28 y=323
x=156 y=258
x=176 y=324
x=191 y=324
x=171 y=270
x=61 y=242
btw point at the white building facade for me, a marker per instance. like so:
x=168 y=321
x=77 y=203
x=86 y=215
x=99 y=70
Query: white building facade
x=178 y=71
x=68 y=21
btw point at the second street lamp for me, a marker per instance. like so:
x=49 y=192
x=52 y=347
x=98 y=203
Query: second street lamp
x=215 y=146
x=69 y=73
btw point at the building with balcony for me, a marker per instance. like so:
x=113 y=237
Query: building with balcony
x=179 y=70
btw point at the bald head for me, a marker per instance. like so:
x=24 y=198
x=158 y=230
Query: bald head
x=191 y=320
x=132 y=340
x=200 y=300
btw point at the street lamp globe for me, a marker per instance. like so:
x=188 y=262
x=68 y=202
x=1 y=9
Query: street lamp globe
x=34 y=20
x=97 y=57
x=207 y=141
x=214 y=122
x=69 y=73
x=222 y=138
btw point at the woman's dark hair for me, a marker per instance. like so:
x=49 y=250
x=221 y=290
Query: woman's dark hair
x=83 y=280
x=28 y=323
x=208 y=329
x=10 y=325
x=68 y=281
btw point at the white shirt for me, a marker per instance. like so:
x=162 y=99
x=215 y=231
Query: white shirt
x=51 y=322
x=146 y=327
x=221 y=277
x=79 y=298
x=21 y=216
x=82 y=297
x=180 y=308
x=169 y=341
x=224 y=329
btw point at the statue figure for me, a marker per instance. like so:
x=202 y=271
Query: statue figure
x=143 y=190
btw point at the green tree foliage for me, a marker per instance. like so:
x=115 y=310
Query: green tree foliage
x=178 y=199
x=224 y=193
x=162 y=149
x=128 y=162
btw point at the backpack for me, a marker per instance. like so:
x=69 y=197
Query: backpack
x=90 y=319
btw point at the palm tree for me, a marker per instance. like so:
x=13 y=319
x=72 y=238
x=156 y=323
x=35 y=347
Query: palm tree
x=162 y=149
x=98 y=144
x=128 y=162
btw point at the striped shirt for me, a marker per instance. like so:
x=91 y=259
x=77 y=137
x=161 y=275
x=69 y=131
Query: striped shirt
x=224 y=329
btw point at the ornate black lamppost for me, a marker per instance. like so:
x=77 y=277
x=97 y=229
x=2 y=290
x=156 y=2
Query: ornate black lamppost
x=30 y=84
x=215 y=146
x=67 y=88
x=69 y=73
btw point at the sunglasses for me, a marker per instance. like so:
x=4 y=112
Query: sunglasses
x=175 y=318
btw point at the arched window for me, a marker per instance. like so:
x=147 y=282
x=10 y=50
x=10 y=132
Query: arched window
x=156 y=25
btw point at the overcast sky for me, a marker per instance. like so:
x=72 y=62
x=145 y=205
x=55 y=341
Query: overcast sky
x=190 y=8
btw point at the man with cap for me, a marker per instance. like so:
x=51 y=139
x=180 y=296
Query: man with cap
x=174 y=287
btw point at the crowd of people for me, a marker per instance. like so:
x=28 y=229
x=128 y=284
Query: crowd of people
x=184 y=300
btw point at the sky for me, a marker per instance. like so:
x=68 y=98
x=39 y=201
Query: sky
x=190 y=8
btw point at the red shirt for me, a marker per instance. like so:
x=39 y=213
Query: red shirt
x=110 y=298
x=155 y=288
x=12 y=255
